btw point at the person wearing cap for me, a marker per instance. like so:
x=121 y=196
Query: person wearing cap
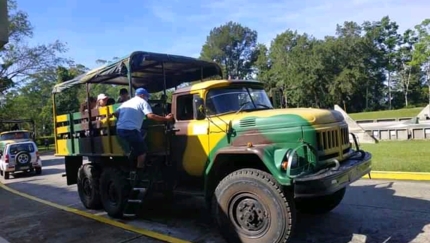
x=130 y=115
x=102 y=100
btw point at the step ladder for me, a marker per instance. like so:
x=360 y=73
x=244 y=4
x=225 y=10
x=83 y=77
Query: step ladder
x=137 y=195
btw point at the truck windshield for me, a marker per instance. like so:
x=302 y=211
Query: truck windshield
x=15 y=135
x=227 y=100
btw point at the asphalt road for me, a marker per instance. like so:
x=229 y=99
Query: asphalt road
x=25 y=220
x=372 y=211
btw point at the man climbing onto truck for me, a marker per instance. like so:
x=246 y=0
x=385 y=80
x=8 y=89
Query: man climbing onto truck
x=130 y=116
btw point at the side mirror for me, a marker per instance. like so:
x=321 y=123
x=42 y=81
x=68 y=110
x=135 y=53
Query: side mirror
x=198 y=107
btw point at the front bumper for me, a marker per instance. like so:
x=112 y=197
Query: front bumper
x=328 y=181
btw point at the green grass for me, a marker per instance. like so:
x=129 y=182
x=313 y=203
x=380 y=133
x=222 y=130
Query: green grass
x=42 y=149
x=410 y=112
x=408 y=156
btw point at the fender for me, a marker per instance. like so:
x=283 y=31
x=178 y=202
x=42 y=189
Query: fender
x=270 y=157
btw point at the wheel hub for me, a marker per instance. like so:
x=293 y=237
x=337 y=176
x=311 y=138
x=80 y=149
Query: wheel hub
x=87 y=187
x=249 y=214
x=113 y=196
x=22 y=158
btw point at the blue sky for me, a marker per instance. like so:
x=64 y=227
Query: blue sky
x=95 y=29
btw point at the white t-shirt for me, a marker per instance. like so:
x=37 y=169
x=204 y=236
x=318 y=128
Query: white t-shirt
x=132 y=113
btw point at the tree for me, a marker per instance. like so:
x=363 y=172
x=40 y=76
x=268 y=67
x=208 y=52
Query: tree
x=421 y=53
x=70 y=100
x=375 y=65
x=388 y=43
x=295 y=66
x=18 y=60
x=233 y=46
x=263 y=66
x=403 y=62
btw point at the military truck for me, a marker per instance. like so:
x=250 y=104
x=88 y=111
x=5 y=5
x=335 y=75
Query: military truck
x=255 y=165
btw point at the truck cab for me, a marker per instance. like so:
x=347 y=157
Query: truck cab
x=224 y=125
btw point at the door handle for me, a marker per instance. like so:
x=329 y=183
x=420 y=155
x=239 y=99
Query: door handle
x=173 y=130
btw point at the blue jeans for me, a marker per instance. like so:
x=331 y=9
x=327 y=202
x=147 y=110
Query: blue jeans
x=135 y=140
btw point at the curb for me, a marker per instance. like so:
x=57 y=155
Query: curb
x=141 y=231
x=397 y=175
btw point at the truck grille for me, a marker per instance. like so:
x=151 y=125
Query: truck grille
x=332 y=143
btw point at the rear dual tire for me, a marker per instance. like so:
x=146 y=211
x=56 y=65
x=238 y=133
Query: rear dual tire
x=108 y=189
x=89 y=186
x=115 y=189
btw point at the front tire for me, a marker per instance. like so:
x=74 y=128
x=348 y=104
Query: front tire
x=114 y=190
x=320 y=205
x=249 y=206
x=88 y=186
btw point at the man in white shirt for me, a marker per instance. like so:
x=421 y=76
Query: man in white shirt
x=130 y=116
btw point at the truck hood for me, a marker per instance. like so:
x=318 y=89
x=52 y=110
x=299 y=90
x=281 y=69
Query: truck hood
x=286 y=117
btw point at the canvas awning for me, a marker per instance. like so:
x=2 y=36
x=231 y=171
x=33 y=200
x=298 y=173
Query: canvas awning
x=147 y=72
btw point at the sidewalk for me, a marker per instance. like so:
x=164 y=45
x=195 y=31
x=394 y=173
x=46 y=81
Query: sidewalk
x=24 y=220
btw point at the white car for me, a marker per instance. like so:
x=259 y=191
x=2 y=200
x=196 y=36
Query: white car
x=20 y=156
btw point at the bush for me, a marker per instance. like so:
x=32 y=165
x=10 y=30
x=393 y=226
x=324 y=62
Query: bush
x=40 y=141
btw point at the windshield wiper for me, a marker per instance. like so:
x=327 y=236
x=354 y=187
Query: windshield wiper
x=242 y=106
x=266 y=106
x=256 y=104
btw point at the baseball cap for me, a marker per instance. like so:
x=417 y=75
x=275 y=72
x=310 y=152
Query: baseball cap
x=101 y=97
x=142 y=91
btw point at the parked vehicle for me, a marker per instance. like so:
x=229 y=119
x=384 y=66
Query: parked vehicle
x=254 y=164
x=20 y=157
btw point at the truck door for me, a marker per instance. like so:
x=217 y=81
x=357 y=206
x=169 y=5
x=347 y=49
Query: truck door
x=190 y=142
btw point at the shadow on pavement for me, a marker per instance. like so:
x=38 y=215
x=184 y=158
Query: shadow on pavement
x=45 y=171
x=370 y=213
x=29 y=221
x=53 y=162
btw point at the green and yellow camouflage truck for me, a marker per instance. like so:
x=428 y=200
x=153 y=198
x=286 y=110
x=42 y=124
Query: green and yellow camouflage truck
x=255 y=165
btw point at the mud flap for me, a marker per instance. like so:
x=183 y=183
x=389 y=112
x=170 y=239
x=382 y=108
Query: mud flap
x=72 y=166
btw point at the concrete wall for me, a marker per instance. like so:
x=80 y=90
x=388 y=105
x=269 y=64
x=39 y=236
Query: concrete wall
x=4 y=25
x=362 y=135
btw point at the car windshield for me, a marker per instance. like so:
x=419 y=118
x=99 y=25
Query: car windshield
x=15 y=135
x=15 y=148
x=228 y=100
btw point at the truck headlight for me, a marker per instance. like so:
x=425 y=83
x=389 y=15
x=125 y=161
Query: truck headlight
x=290 y=160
